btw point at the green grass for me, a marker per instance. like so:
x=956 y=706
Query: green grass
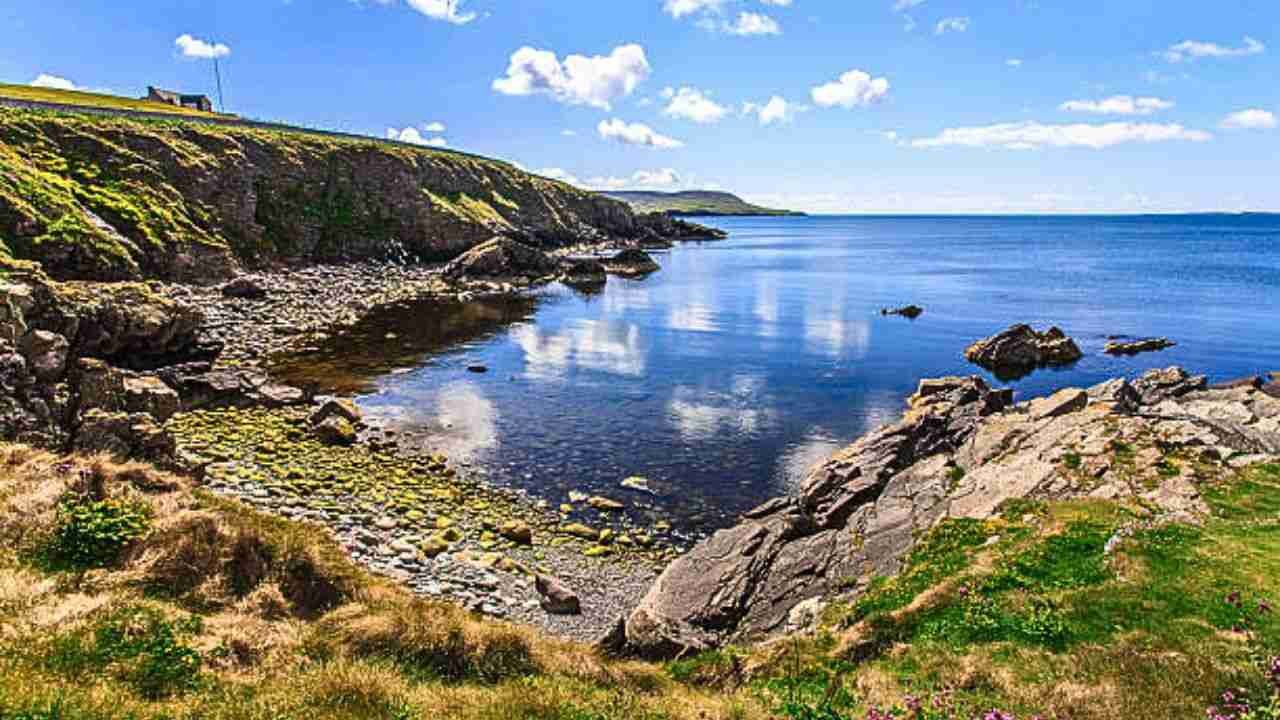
x=96 y=100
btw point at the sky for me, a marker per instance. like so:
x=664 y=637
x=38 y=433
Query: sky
x=863 y=106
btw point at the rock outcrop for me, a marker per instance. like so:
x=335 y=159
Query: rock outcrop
x=502 y=258
x=1119 y=347
x=911 y=312
x=631 y=263
x=1017 y=351
x=961 y=450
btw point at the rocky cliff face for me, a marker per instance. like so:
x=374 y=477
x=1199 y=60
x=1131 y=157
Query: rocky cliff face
x=95 y=198
x=962 y=450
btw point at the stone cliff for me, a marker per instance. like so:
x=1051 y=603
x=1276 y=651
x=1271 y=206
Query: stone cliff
x=98 y=198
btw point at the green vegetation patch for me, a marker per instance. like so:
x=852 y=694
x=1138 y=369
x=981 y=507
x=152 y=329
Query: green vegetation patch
x=92 y=533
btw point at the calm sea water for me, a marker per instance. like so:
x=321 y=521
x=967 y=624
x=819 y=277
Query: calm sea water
x=726 y=375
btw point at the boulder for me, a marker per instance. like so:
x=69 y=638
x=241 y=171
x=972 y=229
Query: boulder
x=337 y=407
x=501 y=257
x=1060 y=403
x=631 y=263
x=199 y=388
x=517 y=531
x=126 y=436
x=46 y=353
x=911 y=312
x=1118 y=392
x=1118 y=347
x=556 y=597
x=149 y=394
x=1017 y=351
x=246 y=287
x=335 y=431
x=586 y=273
x=604 y=504
x=1156 y=386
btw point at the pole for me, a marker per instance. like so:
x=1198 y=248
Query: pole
x=217 y=74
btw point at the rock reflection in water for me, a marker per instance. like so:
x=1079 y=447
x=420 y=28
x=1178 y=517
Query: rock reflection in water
x=404 y=337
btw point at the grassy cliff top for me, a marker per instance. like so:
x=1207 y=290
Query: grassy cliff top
x=80 y=98
x=693 y=202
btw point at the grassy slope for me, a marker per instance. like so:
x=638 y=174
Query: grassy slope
x=215 y=611
x=692 y=203
x=94 y=100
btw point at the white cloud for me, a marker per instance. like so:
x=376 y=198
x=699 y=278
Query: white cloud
x=434 y=127
x=640 y=180
x=446 y=10
x=774 y=111
x=1193 y=49
x=635 y=134
x=1014 y=62
x=1034 y=135
x=680 y=8
x=580 y=80
x=412 y=136
x=853 y=89
x=195 y=48
x=44 y=80
x=1252 y=119
x=750 y=24
x=569 y=133
x=560 y=174
x=1118 y=105
x=692 y=104
x=951 y=24
x=901 y=5
x=777 y=3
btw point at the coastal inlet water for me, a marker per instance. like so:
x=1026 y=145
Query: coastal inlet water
x=725 y=376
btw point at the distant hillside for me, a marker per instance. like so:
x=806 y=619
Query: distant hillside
x=693 y=202
x=78 y=98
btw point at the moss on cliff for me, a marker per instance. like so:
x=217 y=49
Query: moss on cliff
x=103 y=198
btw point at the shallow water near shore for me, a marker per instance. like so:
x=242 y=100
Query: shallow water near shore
x=724 y=377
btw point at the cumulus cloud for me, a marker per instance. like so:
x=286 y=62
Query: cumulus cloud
x=951 y=24
x=749 y=24
x=1194 y=49
x=635 y=134
x=413 y=136
x=1014 y=62
x=560 y=174
x=774 y=111
x=900 y=5
x=1252 y=119
x=777 y=3
x=579 y=80
x=854 y=88
x=693 y=104
x=446 y=10
x=1118 y=105
x=640 y=180
x=44 y=80
x=1034 y=135
x=197 y=49
x=680 y=8
x=434 y=127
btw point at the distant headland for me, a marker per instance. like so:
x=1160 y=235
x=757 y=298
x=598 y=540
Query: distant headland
x=694 y=202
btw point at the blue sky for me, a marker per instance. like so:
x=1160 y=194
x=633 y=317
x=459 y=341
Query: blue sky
x=819 y=105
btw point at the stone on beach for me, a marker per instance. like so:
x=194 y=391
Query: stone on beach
x=556 y=597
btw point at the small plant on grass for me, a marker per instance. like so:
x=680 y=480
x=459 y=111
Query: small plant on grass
x=92 y=533
x=138 y=645
x=1072 y=461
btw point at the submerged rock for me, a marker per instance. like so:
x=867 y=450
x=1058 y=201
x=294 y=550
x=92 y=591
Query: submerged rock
x=1138 y=346
x=1017 y=351
x=335 y=431
x=586 y=273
